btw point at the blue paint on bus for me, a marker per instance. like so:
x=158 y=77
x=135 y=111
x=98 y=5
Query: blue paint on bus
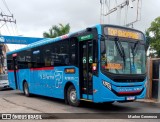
x=51 y=81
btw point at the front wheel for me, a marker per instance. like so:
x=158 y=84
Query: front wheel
x=26 y=89
x=72 y=96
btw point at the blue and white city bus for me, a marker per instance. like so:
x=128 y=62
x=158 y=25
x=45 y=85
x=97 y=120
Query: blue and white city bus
x=103 y=63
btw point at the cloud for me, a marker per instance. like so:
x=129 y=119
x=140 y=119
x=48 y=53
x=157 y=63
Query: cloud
x=36 y=16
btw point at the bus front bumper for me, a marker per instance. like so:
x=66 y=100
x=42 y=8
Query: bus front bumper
x=108 y=95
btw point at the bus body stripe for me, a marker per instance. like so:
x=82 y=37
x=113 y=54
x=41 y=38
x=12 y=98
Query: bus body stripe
x=132 y=92
x=12 y=70
x=43 y=68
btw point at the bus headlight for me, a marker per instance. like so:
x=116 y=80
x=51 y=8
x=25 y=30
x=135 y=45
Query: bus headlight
x=106 y=84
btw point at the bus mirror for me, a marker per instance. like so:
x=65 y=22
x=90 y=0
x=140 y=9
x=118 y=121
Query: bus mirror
x=94 y=43
x=103 y=47
x=147 y=44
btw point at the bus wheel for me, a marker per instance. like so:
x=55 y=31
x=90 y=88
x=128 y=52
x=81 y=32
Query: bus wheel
x=72 y=96
x=26 y=89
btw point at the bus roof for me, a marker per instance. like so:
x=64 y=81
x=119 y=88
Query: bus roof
x=50 y=40
x=47 y=41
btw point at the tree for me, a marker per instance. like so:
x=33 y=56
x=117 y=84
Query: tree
x=153 y=36
x=55 y=31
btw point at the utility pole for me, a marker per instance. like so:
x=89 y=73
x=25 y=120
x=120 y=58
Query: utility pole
x=111 y=8
x=4 y=18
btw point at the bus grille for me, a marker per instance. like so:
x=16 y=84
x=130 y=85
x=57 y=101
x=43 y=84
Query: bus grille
x=128 y=81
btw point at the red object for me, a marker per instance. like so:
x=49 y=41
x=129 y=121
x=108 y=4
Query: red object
x=131 y=92
x=14 y=55
x=94 y=68
x=12 y=70
x=43 y=68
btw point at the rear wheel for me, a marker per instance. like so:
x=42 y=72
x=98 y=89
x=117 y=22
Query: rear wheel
x=72 y=96
x=26 y=89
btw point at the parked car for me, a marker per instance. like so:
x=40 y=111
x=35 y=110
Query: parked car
x=4 y=83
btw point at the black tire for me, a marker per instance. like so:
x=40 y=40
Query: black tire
x=26 y=89
x=72 y=96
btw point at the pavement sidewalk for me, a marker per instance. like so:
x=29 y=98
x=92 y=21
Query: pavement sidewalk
x=148 y=101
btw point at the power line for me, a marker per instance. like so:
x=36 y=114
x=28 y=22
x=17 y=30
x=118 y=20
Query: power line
x=16 y=29
x=12 y=29
x=8 y=29
x=2 y=10
x=3 y=26
x=4 y=2
x=8 y=18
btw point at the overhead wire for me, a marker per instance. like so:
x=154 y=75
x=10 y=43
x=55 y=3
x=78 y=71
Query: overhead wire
x=12 y=29
x=8 y=29
x=11 y=24
x=126 y=14
x=107 y=9
x=101 y=12
x=16 y=28
x=4 y=2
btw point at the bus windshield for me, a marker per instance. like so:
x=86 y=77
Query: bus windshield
x=124 y=57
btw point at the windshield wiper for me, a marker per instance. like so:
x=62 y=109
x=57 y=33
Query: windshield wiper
x=135 y=47
x=120 y=49
x=134 y=50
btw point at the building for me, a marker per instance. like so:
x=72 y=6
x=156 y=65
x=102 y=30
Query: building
x=3 y=64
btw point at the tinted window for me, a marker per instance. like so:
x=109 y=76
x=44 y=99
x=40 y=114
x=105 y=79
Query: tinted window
x=36 y=57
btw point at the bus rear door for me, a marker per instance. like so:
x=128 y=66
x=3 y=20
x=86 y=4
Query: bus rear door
x=15 y=68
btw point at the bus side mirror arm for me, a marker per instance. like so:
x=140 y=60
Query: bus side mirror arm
x=103 y=47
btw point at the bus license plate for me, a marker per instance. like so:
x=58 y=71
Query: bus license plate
x=131 y=98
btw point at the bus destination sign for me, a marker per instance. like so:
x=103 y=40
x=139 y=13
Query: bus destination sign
x=125 y=33
x=86 y=37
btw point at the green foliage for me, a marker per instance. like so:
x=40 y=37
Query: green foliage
x=153 y=37
x=55 y=31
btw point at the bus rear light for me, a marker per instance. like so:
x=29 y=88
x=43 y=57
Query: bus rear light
x=106 y=84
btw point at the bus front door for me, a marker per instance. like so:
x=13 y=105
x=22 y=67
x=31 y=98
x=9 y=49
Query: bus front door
x=15 y=68
x=85 y=66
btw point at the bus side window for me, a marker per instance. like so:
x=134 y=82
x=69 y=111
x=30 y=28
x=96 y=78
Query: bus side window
x=36 y=57
x=73 y=51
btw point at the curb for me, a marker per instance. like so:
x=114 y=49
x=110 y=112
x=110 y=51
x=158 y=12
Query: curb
x=148 y=101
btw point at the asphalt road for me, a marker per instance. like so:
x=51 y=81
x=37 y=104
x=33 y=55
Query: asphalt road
x=13 y=101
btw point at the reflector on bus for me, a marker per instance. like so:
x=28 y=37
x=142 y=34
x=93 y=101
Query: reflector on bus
x=70 y=70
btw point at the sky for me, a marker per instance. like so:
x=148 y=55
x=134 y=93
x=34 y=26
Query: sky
x=33 y=17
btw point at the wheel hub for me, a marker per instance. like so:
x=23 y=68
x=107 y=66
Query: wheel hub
x=73 y=96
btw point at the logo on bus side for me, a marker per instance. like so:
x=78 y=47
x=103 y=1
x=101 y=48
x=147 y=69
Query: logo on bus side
x=2 y=39
x=46 y=77
x=57 y=78
x=58 y=75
